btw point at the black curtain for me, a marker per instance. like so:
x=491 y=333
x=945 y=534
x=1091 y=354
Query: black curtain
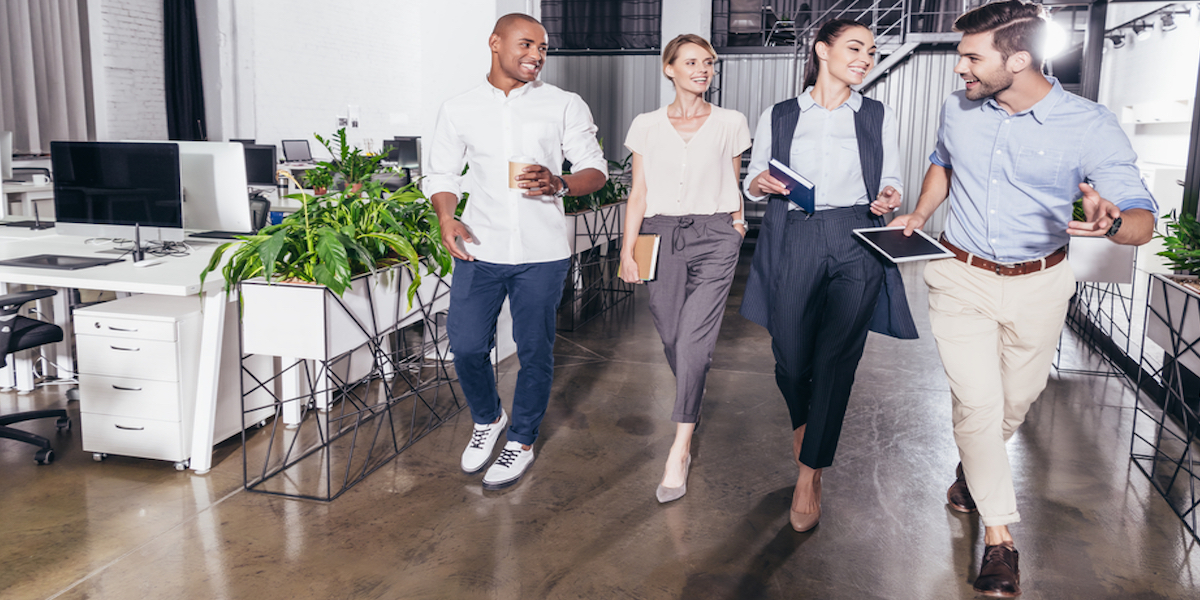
x=603 y=24
x=185 y=88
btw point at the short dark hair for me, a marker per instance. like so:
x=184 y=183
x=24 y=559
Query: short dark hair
x=1016 y=26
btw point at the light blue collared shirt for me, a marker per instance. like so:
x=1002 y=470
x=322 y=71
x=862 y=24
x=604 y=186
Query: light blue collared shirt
x=1014 y=177
x=825 y=150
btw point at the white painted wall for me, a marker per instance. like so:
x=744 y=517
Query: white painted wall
x=1161 y=67
x=131 y=64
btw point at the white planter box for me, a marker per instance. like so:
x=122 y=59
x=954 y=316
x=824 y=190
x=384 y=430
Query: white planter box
x=1180 y=307
x=1098 y=260
x=593 y=228
x=308 y=321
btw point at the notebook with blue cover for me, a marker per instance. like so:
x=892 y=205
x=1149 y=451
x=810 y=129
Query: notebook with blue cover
x=801 y=191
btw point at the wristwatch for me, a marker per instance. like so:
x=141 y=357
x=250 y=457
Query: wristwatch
x=1116 y=226
x=563 y=190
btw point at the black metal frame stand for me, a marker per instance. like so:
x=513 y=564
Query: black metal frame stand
x=374 y=411
x=593 y=284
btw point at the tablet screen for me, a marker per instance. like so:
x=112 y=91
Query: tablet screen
x=893 y=244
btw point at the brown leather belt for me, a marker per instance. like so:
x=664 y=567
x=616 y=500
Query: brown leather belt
x=1022 y=268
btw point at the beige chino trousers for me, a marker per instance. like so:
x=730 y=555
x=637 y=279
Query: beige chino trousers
x=996 y=336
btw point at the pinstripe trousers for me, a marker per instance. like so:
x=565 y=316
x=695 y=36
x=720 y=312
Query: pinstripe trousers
x=697 y=257
x=821 y=309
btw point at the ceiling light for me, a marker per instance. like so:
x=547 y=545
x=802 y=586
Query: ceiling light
x=1142 y=30
x=1056 y=40
x=1117 y=39
x=1168 y=22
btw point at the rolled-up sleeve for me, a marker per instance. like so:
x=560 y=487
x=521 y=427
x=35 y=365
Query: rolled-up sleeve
x=891 y=152
x=940 y=155
x=760 y=154
x=579 y=138
x=447 y=157
x=1109 y=164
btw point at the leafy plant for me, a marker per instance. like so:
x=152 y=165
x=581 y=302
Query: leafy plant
x=354 y=165
x=319 y=177
x=1182 y=242
x=335 y=237
x=616 y=189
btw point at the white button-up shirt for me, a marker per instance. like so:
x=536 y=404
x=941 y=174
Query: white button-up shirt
x=483 y=129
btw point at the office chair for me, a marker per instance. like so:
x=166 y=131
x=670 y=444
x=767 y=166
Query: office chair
x=19 y=333
x=260 y=212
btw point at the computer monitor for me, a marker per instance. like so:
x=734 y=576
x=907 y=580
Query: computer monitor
x=214 y=186
x=296 y=151
x=405 y=151
x=244 y=142
x=6 y=152
x=103 y=189
x=261 y=164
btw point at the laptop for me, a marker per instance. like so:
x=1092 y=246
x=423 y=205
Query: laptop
x=296 y=151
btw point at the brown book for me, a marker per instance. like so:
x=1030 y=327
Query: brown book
x=645 y=252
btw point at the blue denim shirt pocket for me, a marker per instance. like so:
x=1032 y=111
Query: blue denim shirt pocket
x=1039 y=167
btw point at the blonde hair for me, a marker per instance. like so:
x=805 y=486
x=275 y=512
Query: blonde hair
x=671 y=50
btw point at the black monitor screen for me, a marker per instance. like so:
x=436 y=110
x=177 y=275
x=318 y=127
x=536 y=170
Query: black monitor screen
x=117 y=183
x=260 y=165
x=404 y=151
x=296 y=150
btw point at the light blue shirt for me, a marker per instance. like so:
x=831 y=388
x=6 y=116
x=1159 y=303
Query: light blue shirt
x=1014 y=177
x=825 y=150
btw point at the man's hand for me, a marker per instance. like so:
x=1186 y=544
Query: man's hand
x=537 y=180
x=452 y=229
x=910 y=222
x=1100 y=214
x=887 y=201
x=764 y=184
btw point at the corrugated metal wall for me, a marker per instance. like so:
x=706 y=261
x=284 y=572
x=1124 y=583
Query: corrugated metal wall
x=619 y=87
x=616 y=87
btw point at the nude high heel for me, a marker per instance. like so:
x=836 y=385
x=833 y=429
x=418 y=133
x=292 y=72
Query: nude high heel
x=803 y=522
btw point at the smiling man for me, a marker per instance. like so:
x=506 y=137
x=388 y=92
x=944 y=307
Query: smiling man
x=1013 y=152
x=512 y=240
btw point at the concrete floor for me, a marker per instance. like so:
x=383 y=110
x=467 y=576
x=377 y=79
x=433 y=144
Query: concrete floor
x=584 y=522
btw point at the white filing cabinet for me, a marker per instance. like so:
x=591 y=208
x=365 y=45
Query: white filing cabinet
x=138 y=367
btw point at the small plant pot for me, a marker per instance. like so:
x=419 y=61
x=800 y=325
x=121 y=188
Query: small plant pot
x=1173 y=317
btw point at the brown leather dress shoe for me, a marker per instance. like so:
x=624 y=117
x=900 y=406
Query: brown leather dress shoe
x=999 y=576
x=958 y=496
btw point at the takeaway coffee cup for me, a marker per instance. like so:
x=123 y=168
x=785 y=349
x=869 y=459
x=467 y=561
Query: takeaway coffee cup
x=516 y=166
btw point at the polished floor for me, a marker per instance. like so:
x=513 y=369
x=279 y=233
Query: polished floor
x=584 y=523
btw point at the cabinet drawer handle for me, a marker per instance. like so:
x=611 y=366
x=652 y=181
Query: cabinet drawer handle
x=126 y=349
x=111 y=328
x=127 y=389
x=130 y=428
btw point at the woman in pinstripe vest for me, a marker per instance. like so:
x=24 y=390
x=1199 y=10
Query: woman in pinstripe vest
x=812 y=285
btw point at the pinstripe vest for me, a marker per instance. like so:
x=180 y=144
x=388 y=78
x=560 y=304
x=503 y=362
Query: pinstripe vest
x=892 y=316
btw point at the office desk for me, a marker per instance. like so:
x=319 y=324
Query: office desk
x=176 y=276
x=24 y=193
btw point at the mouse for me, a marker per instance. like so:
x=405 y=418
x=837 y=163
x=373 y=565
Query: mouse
x=149 y=262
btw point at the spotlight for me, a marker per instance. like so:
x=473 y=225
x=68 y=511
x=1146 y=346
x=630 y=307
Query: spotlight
x=1168 y=22
x=1141 y=30
x=1056 y=40
x=1117 y=38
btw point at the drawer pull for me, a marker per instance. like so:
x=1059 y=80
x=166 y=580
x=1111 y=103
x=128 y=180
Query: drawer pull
x=130 y=428
x=111 y=328
x=127 y=389
x=126 y=349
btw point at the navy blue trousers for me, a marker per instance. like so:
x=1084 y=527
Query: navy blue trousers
x=534 y=291
x=821 y=309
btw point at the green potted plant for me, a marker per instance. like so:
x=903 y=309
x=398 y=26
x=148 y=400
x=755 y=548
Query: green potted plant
x=319 y=179
x=355 y=166
x=367 y=249
x=1173 y=321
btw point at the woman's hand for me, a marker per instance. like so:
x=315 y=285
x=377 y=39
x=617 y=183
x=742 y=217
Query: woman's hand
x=629 y=269
x=887 y=201
x=740 y=228
x=764 y=184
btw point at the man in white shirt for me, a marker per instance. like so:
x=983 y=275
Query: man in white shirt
x=510 y=242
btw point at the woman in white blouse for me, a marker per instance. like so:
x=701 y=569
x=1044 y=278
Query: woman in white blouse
x=686 y=160
x=812 y=284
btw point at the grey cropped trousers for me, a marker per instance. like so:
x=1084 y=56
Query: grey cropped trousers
x=696 y=261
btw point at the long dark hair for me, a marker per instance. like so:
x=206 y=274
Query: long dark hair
x=828 y=32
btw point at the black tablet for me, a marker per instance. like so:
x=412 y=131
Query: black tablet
x=58 y=261
x=897 y=247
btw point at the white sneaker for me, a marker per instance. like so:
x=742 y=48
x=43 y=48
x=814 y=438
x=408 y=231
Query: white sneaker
x=483 y=441
x=509 y=467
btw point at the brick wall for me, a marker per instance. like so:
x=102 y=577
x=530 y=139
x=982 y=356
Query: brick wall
x=132 y=33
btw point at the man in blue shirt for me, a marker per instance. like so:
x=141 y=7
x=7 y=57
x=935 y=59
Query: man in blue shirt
x=1013 y=152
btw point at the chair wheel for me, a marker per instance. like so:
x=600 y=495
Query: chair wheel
x=44 y=456
x=182 y=465
x=63 y=423
x=99 y=456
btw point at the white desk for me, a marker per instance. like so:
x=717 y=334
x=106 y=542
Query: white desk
x=25 y=193
x=176 y=276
